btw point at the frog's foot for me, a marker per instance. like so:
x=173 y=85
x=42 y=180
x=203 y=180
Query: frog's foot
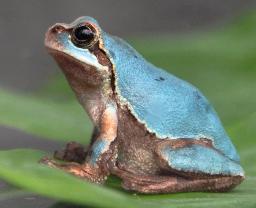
x=83 y=171
x=174 y=183
x=73 y=152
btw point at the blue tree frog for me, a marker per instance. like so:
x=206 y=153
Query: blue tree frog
x=156 y=132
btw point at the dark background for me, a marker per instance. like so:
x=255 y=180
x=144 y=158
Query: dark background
x=25 y=65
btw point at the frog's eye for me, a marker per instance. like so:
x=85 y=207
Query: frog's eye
x=83 y=36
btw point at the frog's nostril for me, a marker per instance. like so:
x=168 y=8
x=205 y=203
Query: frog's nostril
x=57 y=28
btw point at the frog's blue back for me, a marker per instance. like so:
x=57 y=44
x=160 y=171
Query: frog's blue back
x=167 y=105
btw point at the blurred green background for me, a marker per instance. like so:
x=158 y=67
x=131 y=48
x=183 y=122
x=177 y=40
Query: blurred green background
x=211 y=45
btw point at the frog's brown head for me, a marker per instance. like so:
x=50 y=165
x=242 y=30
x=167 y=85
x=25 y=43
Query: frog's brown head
x=77 y=48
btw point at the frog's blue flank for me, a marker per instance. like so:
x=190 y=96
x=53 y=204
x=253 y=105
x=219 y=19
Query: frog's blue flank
x=197 y=158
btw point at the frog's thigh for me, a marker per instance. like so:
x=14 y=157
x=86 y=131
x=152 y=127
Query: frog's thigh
x=197 y=158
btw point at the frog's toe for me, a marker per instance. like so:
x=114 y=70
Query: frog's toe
x=47 y=161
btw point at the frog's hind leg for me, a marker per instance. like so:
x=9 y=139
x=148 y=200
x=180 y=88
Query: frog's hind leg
x=186 y=166
x=201 y=166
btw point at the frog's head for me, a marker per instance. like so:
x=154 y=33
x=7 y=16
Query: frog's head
x=77 y=48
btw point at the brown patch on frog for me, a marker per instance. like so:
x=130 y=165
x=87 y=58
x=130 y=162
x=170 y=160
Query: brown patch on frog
x=135 y=144
x=104 y=60
x=101 y=55
x=76 y=72
x=185 y=142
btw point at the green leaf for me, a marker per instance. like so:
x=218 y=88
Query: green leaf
x=43 y=117
x=21 y=168
x=244 y=134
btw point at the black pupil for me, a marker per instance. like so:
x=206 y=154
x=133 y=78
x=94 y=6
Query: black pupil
x=84 y=35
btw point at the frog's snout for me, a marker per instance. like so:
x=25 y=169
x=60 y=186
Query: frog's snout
x=51 y=40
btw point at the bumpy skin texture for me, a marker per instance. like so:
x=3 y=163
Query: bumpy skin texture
x=155 y=131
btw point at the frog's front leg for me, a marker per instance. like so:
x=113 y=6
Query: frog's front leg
x=74 y=151
x=101 y=154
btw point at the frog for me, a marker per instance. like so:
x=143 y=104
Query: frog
x=153 y=130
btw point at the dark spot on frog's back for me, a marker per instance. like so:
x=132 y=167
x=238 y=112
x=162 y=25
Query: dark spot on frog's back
x=199 y=97
x=202 y=102
x=159 y=79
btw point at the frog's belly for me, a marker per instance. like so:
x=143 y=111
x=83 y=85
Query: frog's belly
x=136 y=150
